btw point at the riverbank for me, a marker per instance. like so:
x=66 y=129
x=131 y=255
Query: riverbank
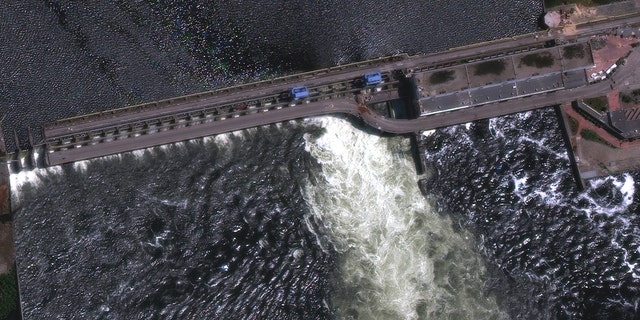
x=8 y=285
x=586 y=3
x=7 y=252
x=8 y=281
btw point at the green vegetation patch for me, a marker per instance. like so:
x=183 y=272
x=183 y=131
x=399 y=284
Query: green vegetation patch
x=599 y=104
x=634 y=97
x=573 y=125
x=573 y=51
x=626 y=98
x=592 y=136
x=496 y=67
x=598 y=43
x=539 y=60
x=442 y=76
x=8 y=293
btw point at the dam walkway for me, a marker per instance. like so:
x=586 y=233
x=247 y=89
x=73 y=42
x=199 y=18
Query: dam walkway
x=405 y=79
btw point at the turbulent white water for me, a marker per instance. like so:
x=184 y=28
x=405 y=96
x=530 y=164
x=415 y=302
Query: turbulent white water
x=27 y=179
x=399 y=258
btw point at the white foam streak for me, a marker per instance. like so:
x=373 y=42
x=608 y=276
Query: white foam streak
x=28 y=178
x=548 y=193
x=519 y=183
x=495 y=130
x=33 y=178
x=81 y=165
x=542 y=144
x=428 y=132
x=626 y=187
x=399 y=259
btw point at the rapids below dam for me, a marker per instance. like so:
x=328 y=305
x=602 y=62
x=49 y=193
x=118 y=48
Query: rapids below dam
x=310 y=219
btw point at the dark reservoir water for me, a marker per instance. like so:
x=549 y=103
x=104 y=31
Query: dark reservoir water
x=313 y=219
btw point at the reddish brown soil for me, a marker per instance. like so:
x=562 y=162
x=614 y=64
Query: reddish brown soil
x=7 y=253
x=615 y=49
x=613 y=100
x=4 y=202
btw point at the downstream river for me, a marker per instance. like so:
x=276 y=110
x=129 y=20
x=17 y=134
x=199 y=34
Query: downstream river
x=309 y=219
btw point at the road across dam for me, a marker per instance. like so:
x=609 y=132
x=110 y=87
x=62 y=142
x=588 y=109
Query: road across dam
x=341 y=90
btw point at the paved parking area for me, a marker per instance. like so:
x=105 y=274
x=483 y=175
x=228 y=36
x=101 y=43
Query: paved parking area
x=520 y=75
x=540 y=84
x=445 y=102
x=491 y=93
x=575 y=79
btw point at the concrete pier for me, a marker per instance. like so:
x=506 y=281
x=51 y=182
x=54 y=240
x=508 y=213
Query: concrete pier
x=565 y=129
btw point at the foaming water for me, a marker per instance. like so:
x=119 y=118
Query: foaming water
x=558 y=253
x=398 y=258
x=203 y=229
x=625 y=191
x=28 y=180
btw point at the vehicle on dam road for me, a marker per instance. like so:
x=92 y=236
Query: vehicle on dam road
x=372 y=78
x=299 y=93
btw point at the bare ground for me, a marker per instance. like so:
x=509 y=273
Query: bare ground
x=7 y=252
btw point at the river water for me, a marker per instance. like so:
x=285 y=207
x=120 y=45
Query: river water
x=309 y=219
x=554 y=252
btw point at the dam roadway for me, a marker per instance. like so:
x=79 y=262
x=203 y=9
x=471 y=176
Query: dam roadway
x=332 y=91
